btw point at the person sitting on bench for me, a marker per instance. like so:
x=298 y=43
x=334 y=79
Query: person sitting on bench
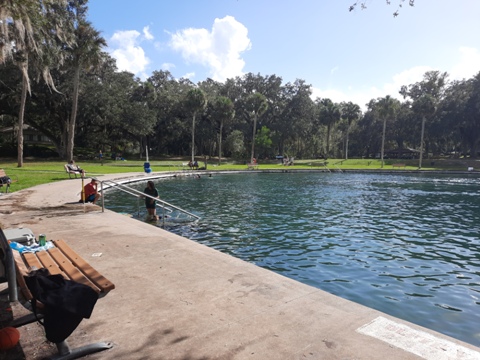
x=75 y=168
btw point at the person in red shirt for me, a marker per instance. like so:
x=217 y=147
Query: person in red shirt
x=91 y=192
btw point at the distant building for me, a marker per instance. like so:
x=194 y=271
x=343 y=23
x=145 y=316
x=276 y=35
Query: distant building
x=30 y=135
x=405 y=153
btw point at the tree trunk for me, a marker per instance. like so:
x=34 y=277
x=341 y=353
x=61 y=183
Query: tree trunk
x=193 y=137
x=473 y=150
x=383 y=140
x=220 y=144
x=73 y=115
x=421 y=143
x=346 y=146
x=327 y=150
x=21 y=115
x=253 y=138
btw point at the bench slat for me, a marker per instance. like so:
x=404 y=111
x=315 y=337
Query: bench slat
x=32 y=261
x=99 y=280
x=71 y=271
x=22 y=270
x=3 y=173
x=48 y=263
x=42 y=260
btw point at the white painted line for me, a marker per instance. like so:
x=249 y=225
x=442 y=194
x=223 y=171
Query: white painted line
x=417 y=342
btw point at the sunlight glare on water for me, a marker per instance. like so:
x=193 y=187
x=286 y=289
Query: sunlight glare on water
x=407 y=245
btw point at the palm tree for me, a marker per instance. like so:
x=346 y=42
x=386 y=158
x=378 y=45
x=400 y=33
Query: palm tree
x=350 y=112
x=256 y=106
x=424 y=106
x=196 y=102
x=329 y=114
x=223 y=112
x=387 y=108
x=85 y=55
x=426 y=96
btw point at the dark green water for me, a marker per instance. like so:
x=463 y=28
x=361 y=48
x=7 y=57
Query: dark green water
x=407 y=245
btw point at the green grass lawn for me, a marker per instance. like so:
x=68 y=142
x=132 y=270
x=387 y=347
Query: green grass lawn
x=35 y=172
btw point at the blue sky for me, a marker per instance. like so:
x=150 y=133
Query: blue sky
x=346 y=56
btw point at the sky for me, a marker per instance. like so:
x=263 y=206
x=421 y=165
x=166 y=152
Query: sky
x=344 y=55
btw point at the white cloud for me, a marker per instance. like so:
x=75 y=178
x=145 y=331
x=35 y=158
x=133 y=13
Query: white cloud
x=189 y=75
x=146 y=32
x=219 y=49
x=168 y=66
x=364 y=95
x=467 y=67
x=125 y=48
x=357 y=97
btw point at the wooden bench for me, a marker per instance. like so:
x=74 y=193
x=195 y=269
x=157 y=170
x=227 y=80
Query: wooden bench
x=6 y=180
x=60 y=259
x=71 y=172
x=252 y=166
x=399 y=165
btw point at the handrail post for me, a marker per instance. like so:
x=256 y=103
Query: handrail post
x=103 y=196
x=9 y=263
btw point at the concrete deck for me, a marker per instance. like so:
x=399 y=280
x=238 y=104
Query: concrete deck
x=176 y=299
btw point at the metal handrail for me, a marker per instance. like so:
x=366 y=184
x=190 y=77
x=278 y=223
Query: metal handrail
x=9 y=267
x=139 y=194
x=339 y=162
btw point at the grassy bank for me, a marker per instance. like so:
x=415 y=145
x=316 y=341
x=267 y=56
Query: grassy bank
x=36 y=172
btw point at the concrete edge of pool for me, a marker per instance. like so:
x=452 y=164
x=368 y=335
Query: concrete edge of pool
x=177 y=299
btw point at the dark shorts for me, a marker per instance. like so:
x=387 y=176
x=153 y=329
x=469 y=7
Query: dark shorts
x=90 y=198
x=150 y=206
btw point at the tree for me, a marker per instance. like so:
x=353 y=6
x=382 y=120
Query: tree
x=223 y=112
x=423 y=106
x=363 y=5
x=234 y=143
x=426 y=96
x=292 y=112
x=30 y=31
x=256 y=106
x=387 y=108
x=350 y=112
x=196 y=102
x=85 y=55
x=329 y=114
x=471 y=121
x=172 y=131
x=263 y=139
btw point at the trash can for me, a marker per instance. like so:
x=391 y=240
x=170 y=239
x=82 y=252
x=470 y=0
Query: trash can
x=146 y=167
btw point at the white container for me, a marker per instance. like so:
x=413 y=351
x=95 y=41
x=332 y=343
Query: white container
x=22 y=236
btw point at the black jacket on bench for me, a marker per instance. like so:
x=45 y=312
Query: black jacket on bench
x=66 y=302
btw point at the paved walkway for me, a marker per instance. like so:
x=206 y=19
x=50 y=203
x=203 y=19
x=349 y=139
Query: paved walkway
x=177 y=299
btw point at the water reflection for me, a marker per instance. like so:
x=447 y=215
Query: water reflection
x=406 y=245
